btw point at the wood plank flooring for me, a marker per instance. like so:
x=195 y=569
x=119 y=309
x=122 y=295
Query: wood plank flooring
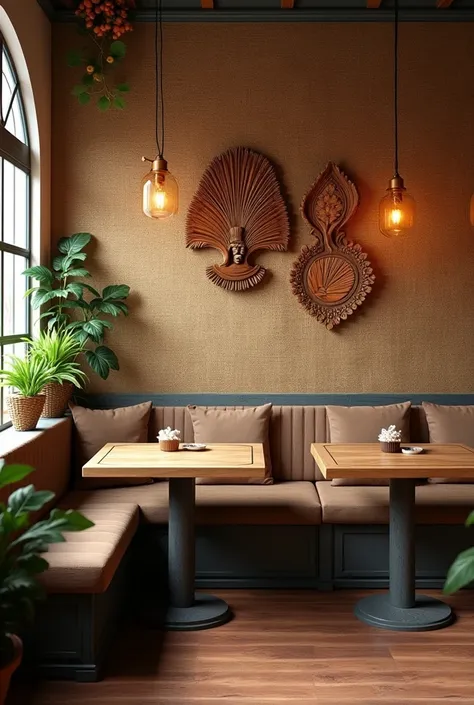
x=282 y=648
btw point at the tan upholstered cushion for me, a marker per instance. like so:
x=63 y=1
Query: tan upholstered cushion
x=450 y=424
x=282 y=503
x=435 y=504
x=48 y=452
x=362 y=424
x=249 y=425
x=87 y=561
x=96 y=427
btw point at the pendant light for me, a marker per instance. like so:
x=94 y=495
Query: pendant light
x=397 y=207
x=160 y=188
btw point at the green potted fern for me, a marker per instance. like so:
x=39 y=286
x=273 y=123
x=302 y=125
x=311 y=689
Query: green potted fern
x=27 y=376
x=461 y=572
x=60 y=350
x=22 y=543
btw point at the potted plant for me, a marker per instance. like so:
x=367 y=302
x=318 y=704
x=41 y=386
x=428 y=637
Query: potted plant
x=461 y=573
x=169 y=439
x=21 y=561
x=77 y=306
x=60 y=350
x=390 y=440
x=28 y=376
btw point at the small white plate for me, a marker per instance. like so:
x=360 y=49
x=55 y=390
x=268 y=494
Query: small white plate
x=194 y=446
x=412 y=450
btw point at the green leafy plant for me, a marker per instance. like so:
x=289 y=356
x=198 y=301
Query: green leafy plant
x=60 y=349
x=27 y=375
x=461 y=573
x=21 y=546
x=67 y=297
x=103 y=21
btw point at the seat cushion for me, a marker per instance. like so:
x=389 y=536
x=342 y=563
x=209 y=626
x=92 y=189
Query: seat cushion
x=435 y=504
x=93 y=428
x=282 y=503
x=87 y=561
x=247 y=425
x=362 y=424
x=450 y=424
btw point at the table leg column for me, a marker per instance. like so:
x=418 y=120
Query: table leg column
x=188 y=610
x=181 y=542
x=401 y=609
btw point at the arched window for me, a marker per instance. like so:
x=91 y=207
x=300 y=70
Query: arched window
x=15 y=251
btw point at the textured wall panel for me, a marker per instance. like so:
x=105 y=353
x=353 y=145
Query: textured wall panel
x=302 y=95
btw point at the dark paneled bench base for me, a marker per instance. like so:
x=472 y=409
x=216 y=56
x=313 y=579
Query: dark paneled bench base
x=72 y=632
x=361 y=553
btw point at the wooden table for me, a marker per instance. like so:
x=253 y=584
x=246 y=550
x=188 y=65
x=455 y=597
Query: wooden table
x=401 y=609
x=189 y=610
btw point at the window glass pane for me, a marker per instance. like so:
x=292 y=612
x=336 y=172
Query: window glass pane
x=15 y=205
x=15 y=321
x=15 y=122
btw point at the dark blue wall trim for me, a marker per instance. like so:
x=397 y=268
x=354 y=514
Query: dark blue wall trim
x=205 y=399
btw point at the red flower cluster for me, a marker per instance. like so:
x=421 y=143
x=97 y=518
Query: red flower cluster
x=106 y=17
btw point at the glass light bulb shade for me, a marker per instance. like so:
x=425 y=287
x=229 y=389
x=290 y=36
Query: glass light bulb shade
x=160 y=194
x=471 y=210
x=396 y=213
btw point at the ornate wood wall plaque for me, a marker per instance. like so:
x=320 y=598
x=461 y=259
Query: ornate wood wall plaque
x=333 y=277
x=238 y=209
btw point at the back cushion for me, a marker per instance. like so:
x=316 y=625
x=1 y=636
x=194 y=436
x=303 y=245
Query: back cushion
x=248 y=425
x=362 y=424
x=96 y=427
x=49 y=453
x=450 y=424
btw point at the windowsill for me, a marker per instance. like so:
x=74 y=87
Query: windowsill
x=10 y=439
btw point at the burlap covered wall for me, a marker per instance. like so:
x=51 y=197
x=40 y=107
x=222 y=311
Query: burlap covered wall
x=303 y=95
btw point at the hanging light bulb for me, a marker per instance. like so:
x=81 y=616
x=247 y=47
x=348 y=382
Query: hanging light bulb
x=160 y=190
x=159 y=187
x=397 y=207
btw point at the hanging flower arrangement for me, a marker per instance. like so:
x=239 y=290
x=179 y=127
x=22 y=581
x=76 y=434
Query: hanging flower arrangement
x=104 y=22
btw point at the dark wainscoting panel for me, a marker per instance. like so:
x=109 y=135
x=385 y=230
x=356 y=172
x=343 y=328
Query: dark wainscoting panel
x=107 y=401
x=361 y=554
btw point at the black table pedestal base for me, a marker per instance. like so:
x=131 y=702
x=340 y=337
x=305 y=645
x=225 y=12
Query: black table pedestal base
x=206 y=612
x=427 y=614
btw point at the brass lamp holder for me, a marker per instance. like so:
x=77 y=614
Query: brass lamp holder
x=157 y=164
x=396 y=186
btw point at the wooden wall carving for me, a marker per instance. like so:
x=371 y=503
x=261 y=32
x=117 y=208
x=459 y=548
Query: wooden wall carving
x=238 y=209
x=333 y=277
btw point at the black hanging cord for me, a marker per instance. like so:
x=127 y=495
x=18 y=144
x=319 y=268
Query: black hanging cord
x=159 y=102
x=395 y=91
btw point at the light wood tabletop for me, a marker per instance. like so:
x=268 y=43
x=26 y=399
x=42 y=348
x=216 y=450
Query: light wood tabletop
x=229 y=460
x=366 y=461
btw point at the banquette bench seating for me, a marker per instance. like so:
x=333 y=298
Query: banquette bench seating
x=299 y=532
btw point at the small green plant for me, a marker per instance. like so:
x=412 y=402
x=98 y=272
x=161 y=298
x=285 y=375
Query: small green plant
x=461 y=573
x=60 y=350
x=21 y=546
x=27 y=375
x=67 y=297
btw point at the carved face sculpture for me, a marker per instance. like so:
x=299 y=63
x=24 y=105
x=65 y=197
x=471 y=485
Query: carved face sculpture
x=237 y=252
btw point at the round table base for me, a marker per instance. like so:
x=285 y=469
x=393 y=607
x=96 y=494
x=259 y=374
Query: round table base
x=206 y=612
x=427 y=615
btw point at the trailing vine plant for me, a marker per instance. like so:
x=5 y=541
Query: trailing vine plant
x=104 y=22
x=75 y=305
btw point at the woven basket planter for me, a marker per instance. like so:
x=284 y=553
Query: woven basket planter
x=25 y=411
x=390 y=446
x=57 y=398
x=169 y=446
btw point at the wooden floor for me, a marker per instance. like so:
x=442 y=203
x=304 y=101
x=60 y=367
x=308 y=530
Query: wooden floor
x=282 y=648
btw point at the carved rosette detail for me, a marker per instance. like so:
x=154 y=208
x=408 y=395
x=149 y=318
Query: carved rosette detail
x=331 y=278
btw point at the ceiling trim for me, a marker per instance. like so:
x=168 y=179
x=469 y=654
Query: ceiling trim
x=47 y=7
x=314 y=15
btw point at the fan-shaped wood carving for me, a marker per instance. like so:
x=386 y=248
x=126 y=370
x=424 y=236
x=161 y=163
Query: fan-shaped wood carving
x=333 y=277
x=238 y=209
